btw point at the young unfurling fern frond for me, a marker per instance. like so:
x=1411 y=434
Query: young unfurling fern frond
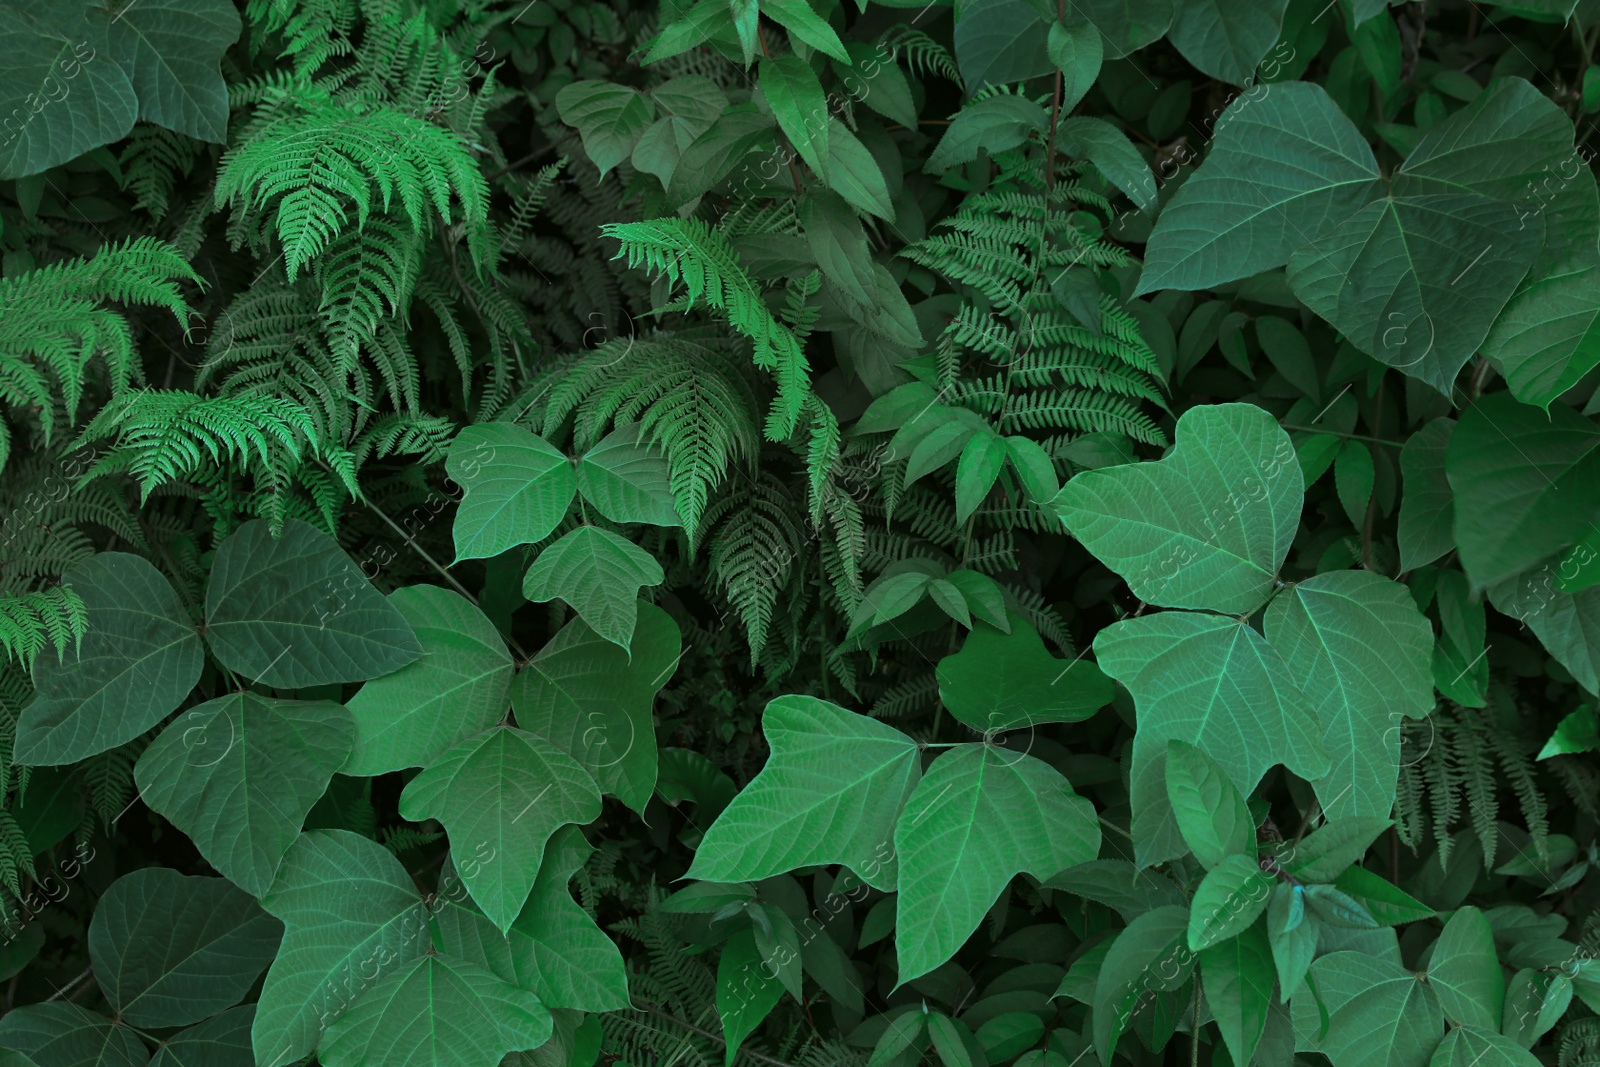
x=318 y=166
x=31 y=621
x=689 y=251
x=52 y=324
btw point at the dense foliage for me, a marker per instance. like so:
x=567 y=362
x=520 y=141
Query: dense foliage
x=799 y=534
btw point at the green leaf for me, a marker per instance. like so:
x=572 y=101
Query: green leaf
x=1510 y=136
x=947 y=1040
x=457 y=689
x=627 y=481
x=436 y=1011
x=1353 y=475
x=1179 y=535
x=830 y=793
x=1230 y=897
x=1460 y=666
x=1412 y=283
x=800 y=106
x=1568 y=625
x=516 y=488
x=599 y=574
x=1464 y=971
x=1325 y=853
x=1035 y=469
x=1378 y=1013
x=171 y=50
x=1524 y=482
x=1292 y=933
x=1211 y=812
x=1077 y=50
x=610 y=118
x=138 y=660
x=994 y=124
x=1237 y=976
x=746 y=994
x=1150 y=956
x=981 y=462
x=999 y=682
x=1337 y=908
x=1537 y=999
x=1218 y=685
x=1109 y=149
x=1357 y=646
x=500 y=795
x=221 y=1041
x=1227 y=40
x=1578 y=731
x=999 y=42
x=554 y=948
x=1548 y=336
x=739 y=131
x=854 y=174
x=1127 y=25
x=169 y=949
x=805 y=25
x=593 y=700
x=295 y=611
x=57 y=1034
x=1473 y=1046
x=239 y=774
x=978 y=818
x=52 y=117
x=1286 y=166
x=1427 y=511
x=352 y=915
x=1387 y=903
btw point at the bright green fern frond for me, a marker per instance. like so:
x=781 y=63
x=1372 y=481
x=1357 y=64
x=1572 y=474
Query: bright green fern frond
x=31 y=621
x=689 y=251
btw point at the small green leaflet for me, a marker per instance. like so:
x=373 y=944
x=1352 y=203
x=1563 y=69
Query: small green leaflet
x=1077 y=50
x=516 y=488
x=65 y=1035
x=500 y=795
x=1217 y=684
x=593 y=700
x=459 y=687
x=170 y=949
x=1578 y=731
x=1109 y=149
x=1210 y=810
x=554 y=948
x=800 y=106
x=806 y=25
x=1148 y=958
x=609 y=117
x=979 y=817
x=1464 y=971
x=1526 y=484
x=1427 y=511
x=1229 y=898
x=352 y=915
x=1237 y=977
x=627 y=481
x=1284 y=168
x=1328 y=851
x=1356 y=645
x=1292 y=934
x=1378 y=1014
x=830 y=793
x=597 y=572
x=239 y=774
x=1000 y=682
x=137 y=662
x=993 y=124
x=746 y=993
x=295 y=611
x=436 y=1011
x=1179 y=535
